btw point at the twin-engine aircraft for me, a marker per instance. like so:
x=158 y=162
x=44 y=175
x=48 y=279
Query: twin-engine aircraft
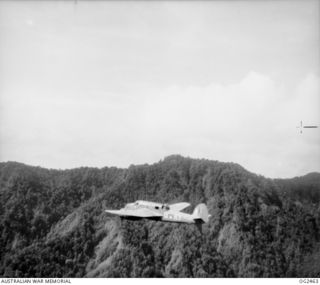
x=163 y=212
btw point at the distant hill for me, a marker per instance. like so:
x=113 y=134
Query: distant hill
x=53 y=224
x=304 y=188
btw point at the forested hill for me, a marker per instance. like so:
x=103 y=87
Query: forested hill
x=53 y=224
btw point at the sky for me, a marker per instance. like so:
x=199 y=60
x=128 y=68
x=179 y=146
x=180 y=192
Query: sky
x=107 y=83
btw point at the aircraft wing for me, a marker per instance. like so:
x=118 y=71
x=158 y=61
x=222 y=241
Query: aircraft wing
x=142 y=213
x=179 y=206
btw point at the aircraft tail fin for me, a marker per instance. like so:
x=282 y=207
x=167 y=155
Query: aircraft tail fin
x=200 y=214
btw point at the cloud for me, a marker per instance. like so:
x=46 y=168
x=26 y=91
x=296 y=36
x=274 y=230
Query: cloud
x=118 y=84
x=30 y=22
x=213 y=109
x=252 y=122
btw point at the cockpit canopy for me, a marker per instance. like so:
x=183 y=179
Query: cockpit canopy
x=165 y=207
x=162 y=207
x=147 y=204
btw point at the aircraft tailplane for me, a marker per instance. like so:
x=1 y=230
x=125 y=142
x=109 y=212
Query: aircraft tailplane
x=200 y=214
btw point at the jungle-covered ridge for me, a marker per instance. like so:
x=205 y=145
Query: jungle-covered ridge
x=53 y=224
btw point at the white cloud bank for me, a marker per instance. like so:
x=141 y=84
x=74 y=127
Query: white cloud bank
x=252 y=122
x=109 y=83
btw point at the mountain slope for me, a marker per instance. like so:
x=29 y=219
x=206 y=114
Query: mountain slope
x=52 y=222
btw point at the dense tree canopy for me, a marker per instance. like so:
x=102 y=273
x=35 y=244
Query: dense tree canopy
x=53 y=224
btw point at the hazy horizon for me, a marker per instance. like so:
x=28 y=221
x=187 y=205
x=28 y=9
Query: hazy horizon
x=155 y=162
x=108 y=83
